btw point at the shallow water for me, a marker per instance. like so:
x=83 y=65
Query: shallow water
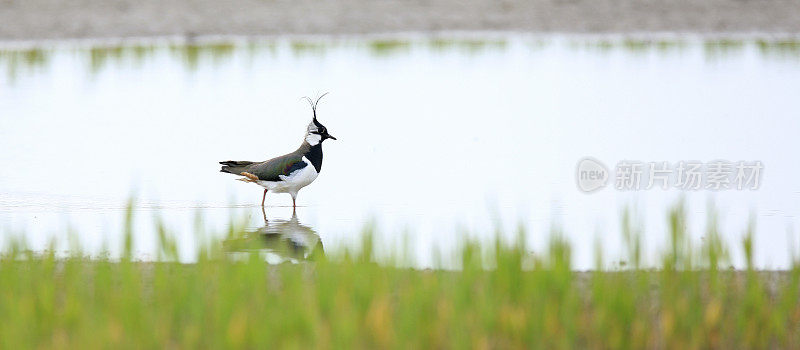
x=437 y=140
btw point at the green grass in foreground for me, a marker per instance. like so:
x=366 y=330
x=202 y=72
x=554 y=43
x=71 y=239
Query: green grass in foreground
x=502 y=297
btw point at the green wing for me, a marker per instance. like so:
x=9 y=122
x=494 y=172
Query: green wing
x=272 y=169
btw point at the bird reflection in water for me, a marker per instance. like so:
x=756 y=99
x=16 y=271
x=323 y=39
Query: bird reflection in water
x=279 y=241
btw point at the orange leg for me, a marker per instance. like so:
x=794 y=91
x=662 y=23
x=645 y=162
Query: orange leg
x=263 y=197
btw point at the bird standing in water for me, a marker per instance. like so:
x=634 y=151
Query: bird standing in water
x=290 y=172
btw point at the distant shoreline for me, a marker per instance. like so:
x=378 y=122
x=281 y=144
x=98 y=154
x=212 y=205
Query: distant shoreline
x=401 y=38
x=55 y=20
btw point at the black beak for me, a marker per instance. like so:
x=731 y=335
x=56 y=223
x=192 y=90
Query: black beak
x=329 y=136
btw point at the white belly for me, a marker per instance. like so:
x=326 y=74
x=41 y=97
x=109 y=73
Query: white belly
x=293 y=182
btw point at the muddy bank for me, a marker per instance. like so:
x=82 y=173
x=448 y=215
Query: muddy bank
x=58 y=19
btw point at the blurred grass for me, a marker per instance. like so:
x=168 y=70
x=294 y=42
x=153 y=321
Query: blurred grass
x=21 y=62
x=501 y=296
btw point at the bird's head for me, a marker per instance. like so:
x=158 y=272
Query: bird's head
x=316 y=132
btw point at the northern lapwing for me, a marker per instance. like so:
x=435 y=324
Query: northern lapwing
x=287 y=173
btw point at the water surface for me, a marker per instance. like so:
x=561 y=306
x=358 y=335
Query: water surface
x=437 y=139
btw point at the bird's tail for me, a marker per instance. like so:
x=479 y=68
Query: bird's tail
x=234 y=166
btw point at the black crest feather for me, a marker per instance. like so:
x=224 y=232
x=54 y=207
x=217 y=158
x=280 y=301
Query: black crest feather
x=314 y=104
